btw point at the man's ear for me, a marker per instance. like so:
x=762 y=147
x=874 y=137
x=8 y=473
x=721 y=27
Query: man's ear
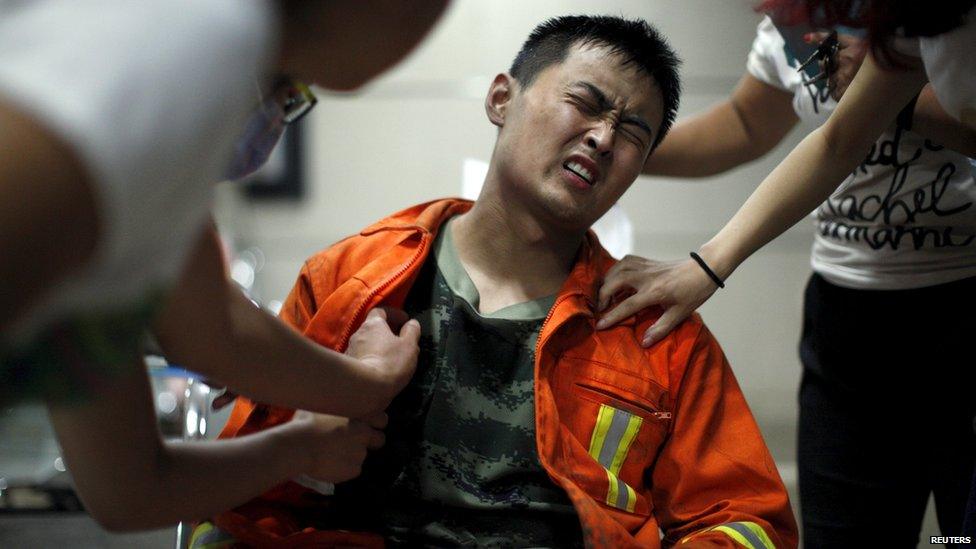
x=499 y=97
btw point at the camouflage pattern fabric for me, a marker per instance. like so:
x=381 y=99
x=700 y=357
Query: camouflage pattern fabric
x=460 y=465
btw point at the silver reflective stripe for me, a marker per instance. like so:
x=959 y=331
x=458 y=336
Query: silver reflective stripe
x=748 y=534
x=623 y=495
x=615 y=433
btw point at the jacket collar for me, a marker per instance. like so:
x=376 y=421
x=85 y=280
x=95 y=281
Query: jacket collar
x=428 y=216
x=592 y=260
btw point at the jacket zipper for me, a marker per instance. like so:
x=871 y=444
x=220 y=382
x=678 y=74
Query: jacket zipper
x=538 y=362
x=424 y=237
x=542 y=329
x=544 y=461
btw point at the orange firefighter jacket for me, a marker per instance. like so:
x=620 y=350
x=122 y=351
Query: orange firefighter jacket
x=640 y=439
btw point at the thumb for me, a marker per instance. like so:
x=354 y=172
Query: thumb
x=395 y=317
x=410 y=331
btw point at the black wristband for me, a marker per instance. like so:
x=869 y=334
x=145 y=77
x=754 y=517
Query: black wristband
x=711 y=274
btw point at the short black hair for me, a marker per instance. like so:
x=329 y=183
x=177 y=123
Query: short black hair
x=635 y=41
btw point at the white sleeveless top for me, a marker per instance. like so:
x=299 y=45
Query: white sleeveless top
x=950 y=63
x=151 y=96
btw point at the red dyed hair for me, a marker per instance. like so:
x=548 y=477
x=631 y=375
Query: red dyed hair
x=883 y=19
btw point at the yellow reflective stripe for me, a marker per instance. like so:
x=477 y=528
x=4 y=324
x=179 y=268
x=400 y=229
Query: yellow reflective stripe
x=612 y=491
x=752 y=535
x=631 y=498
x=626 y=499
x=633 y=426
x=748 y=534
x=618 y=428
x=603 y=419
x=199 y=532
x=739 y=538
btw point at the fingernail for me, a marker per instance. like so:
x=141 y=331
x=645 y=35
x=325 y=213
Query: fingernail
x=647 y=342
x=601 y=324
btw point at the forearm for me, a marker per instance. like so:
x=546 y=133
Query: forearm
x=130 y=479
x=270 y=362
x=705 y=144
x=733 y=132
x=210 y=327
x=802 y=181
x=194 y=480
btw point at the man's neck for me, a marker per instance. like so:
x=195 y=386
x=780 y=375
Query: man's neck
x=510 y=256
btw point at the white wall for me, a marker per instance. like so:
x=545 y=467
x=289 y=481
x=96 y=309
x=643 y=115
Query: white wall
x=402 y=141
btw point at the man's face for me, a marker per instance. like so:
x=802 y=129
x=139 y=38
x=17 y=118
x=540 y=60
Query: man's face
x=574 y=140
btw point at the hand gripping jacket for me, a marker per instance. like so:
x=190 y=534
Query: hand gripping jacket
x=640 y=439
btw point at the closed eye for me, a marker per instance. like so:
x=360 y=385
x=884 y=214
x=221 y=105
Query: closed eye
x=634 y=134
x=587 y=106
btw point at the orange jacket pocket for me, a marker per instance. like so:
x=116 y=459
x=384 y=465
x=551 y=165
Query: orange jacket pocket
x=616 y=434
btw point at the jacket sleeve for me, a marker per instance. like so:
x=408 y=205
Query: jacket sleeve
x=715 y=483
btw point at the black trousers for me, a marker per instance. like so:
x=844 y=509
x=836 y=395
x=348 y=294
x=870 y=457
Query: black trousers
x=969 y=525
x=887 y=404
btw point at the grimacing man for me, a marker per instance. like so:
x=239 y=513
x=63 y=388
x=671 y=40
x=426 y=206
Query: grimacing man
x=523 y=425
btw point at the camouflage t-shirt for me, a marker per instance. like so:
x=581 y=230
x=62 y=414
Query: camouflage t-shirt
x=460 y=465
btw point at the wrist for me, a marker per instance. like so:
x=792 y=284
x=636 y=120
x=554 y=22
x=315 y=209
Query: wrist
x=288 y=442
x=707 y=270
x=357 y=384
x=719 y=261
x=377 y=381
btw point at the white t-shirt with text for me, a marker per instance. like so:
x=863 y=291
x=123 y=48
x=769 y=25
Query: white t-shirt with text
x=906 y=217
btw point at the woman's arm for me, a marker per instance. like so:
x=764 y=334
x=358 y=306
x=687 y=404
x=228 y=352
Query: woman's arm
x=801 y=182
x=129 y=479
x=211 y=328
x=815 y=168
x=747 y=125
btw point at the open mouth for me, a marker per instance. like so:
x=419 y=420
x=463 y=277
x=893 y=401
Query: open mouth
x=579 y=170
